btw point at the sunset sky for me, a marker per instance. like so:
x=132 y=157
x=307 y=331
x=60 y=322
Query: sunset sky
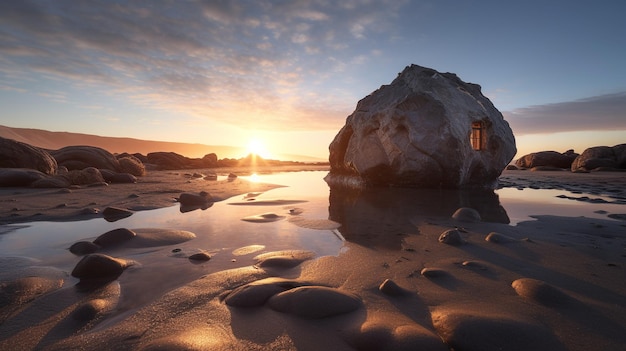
x=288 y=73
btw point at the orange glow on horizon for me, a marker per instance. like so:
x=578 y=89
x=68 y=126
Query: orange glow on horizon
x=256 y=146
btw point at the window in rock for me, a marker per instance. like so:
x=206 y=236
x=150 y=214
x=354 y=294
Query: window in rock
x=477 y=138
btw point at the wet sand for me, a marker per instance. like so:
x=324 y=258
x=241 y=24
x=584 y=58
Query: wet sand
x=553 y=283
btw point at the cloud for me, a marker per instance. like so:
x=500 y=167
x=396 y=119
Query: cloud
x=267 y=60
x=599 y=113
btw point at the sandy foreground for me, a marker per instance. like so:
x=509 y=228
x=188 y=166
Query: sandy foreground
x=553 y=283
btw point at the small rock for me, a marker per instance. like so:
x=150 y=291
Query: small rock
x=315 y=302
x=200 y=256
x=112 y=214
x=451 y=237
x=89 y=310
x=541 y=292
x=257 y=293
x=99 y=267
x=466 y=214
x=83 y=248
x=433 y=273
x=190 y=199
x=389 y=287
x=114 y=237
x=210 y=176
x=498 y=238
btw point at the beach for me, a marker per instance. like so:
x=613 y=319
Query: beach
x=368 y=270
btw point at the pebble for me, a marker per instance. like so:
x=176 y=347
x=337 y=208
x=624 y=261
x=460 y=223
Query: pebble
x=200 y=256
x=433 y=272
x=99 y=267
x=466 y=214
x=114 y=237
x=498 y=238
x=389 y=287
x=83 y=248
x=451 y=237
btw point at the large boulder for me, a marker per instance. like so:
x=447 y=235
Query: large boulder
x=547 y=159
x=80 y=157
x=426 y=129
x=601 y=157
x=15 y=154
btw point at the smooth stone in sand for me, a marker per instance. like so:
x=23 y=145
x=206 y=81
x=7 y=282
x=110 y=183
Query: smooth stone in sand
x=315 y=302
x=466 y=214
x=283 y=259
x=150 y=237
x=246 y=250
x=90 y=309
x=384 y=335
x=433 y=273
x=479 y=330
x=83 y=248
x=257 y=293
x=318 y=224
x=190 y=199
x=112 y=214
x=200 y=256
x=389 y=287
x=498 y=238
x=263 y=218
x=541 y=292
x=23 y=290
x=99 y=267
x=114 y=237
x=451 y=237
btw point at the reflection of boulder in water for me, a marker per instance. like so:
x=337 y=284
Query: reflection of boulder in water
x=380 y=216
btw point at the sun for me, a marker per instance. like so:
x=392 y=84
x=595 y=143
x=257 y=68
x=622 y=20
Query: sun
x=257 y=147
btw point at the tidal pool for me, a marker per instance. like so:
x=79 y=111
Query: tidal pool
x=220 y=228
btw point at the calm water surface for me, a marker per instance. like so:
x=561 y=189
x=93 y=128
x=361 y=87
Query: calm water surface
x=365 y=217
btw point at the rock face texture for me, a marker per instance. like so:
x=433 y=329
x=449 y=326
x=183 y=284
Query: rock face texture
x=547 y=159
x=80 y=157
x=426 y=129
x=601 y=157
x=15 y=154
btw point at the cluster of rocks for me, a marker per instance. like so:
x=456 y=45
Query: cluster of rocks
x=22 y=164
x=25 y=165
x=597 y=158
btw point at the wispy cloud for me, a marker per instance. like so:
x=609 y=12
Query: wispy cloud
x=261 y=59
x=606 y=112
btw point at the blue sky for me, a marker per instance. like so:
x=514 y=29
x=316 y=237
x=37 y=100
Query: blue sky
x=289 y=72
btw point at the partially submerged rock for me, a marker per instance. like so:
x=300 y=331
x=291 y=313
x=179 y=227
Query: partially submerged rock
x=114 y=237
x=99 y=267
x=112 y=214
x=192 y=199
x=425 y=129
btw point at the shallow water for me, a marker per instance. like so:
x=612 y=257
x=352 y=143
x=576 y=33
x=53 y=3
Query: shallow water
x=220 y=228
x=372 y=217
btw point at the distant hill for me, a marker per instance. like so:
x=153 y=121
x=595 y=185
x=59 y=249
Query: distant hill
x=56 y=140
